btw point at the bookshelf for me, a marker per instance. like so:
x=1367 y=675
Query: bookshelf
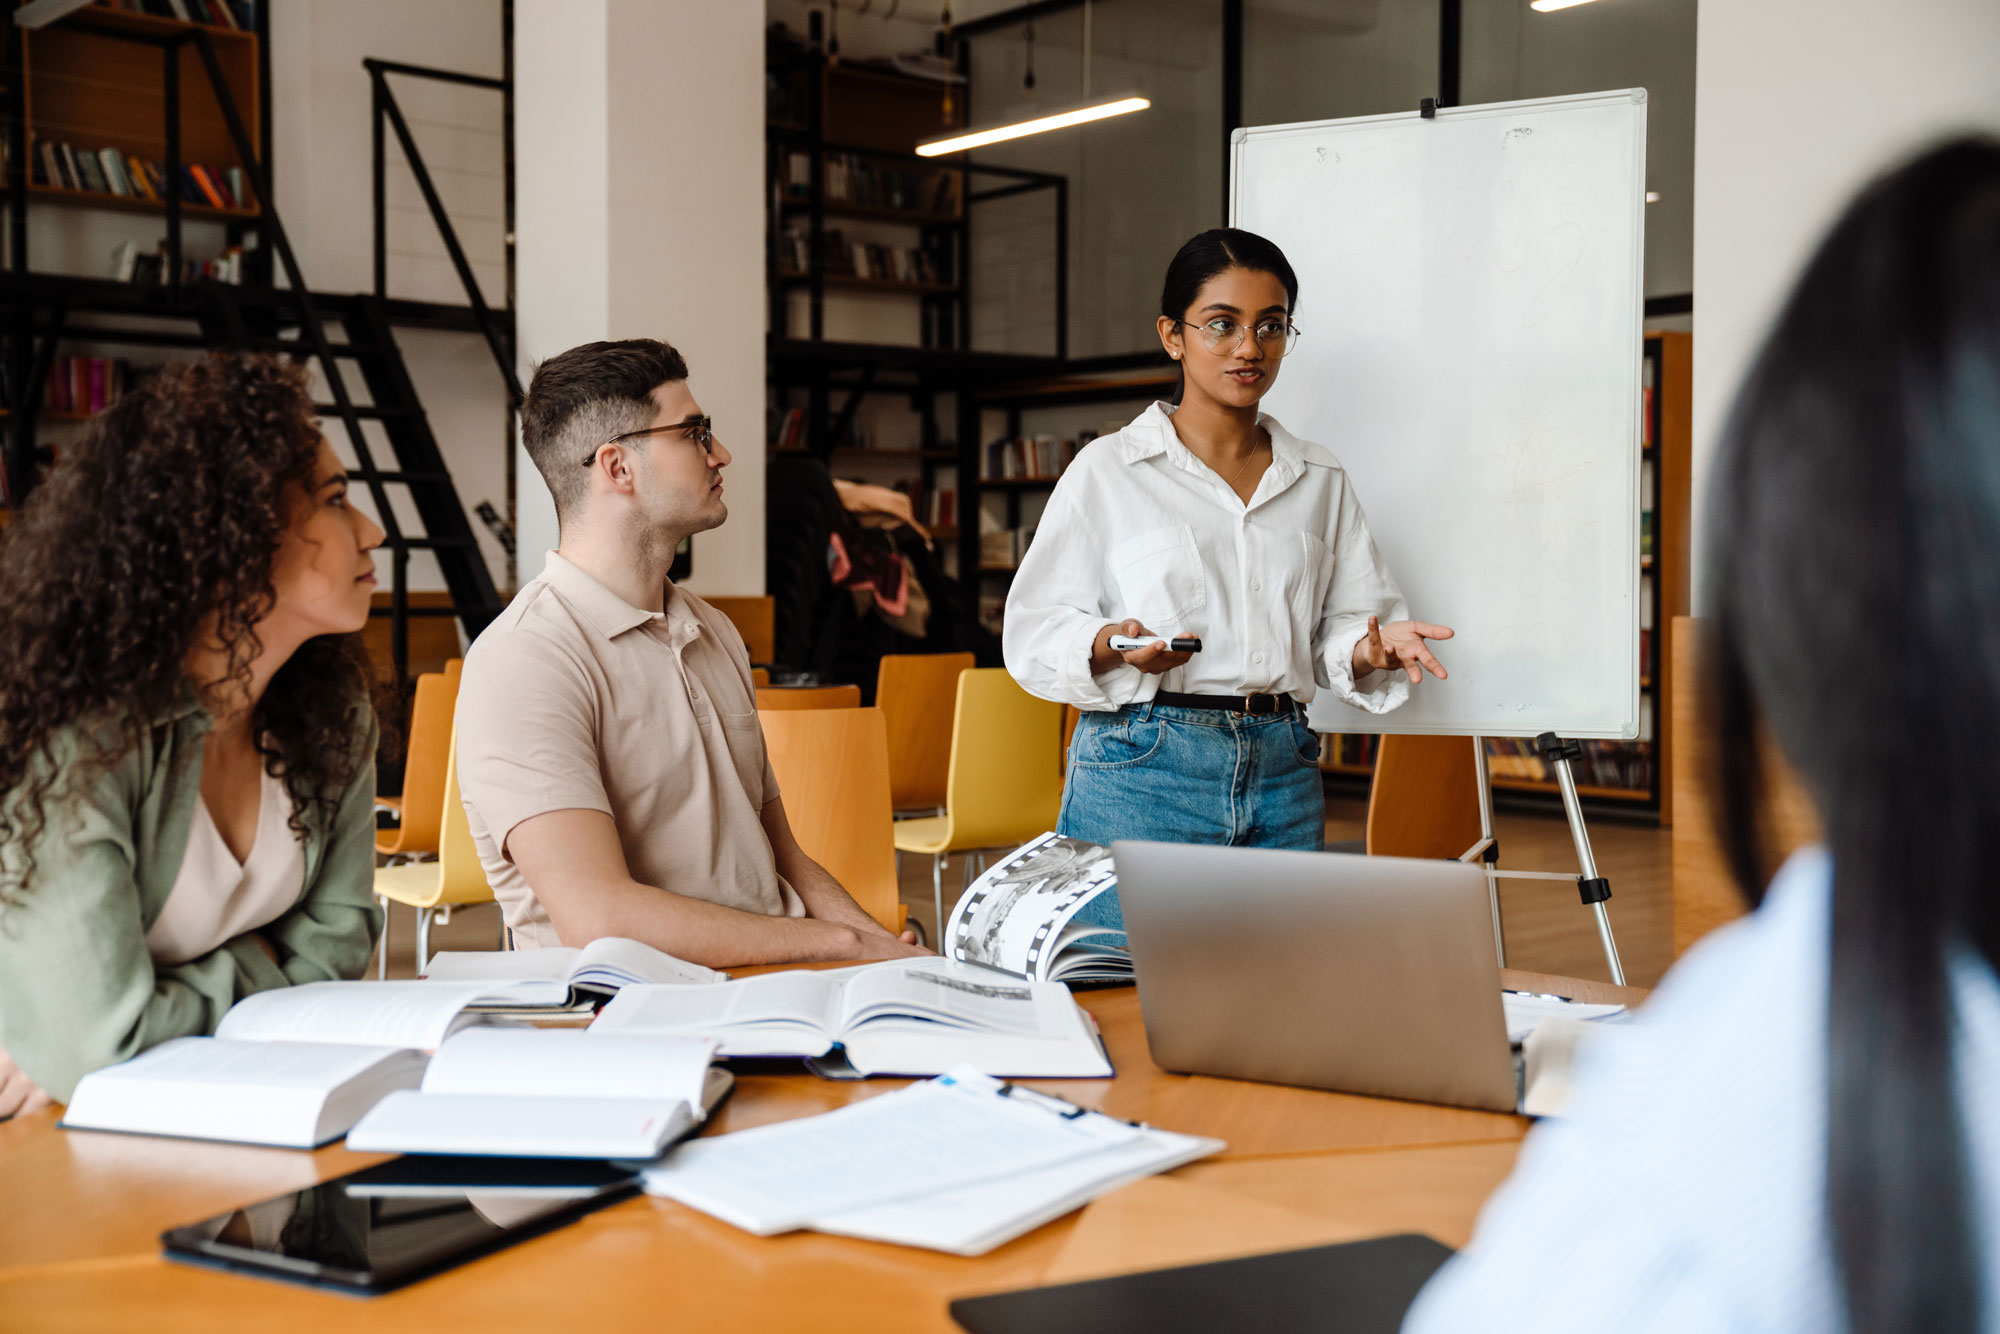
x=85 y=87
x=869 y=291
x=1635 y=777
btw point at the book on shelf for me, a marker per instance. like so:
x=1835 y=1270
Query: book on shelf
x=919 y=1017
x=110 y=171
x=1021 y=916
x=569 y=977
x=85 y=385
x=1037 y=458
x=1349 y=750
x=550 y=1093
x=1619 y=765
x=939 y=508
x=790 y=432
x=853 y=179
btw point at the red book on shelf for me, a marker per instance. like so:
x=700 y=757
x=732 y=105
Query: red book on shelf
x=208 y=185
x=56 y=396
x=97 y=386
x=79 y=384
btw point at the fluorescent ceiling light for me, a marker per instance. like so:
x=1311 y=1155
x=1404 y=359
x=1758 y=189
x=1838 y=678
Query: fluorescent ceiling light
x=1546 y=5
x=1060 y=120
x=1652 y=196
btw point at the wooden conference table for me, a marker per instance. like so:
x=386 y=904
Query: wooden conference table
x=81 y=1214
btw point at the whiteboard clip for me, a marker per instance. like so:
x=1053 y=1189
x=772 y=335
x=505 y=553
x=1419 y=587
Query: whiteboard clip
x=1428 y=108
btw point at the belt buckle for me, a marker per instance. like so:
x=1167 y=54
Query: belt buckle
x=1259 y=705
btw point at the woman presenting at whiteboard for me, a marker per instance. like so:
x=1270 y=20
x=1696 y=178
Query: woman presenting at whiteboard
x=1206 y=519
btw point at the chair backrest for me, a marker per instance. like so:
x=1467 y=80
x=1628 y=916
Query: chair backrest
x=461 y=878
x=426 y=758
x=756 y=619
x=918 y=696
x=760 y=676
x=1425 y=797
x=772 y=698
x=1006 y=772
x=833 y=769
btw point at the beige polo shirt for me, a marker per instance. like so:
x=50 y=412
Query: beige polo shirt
x=575 y=699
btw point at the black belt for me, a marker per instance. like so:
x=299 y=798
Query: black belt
x=1256 y=705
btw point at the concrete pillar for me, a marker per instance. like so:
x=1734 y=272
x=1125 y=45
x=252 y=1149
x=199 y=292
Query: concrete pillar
x=639 y=160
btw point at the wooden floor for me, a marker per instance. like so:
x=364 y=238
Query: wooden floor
x=1547 y=929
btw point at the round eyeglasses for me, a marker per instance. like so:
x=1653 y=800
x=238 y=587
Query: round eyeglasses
x=1223 y=334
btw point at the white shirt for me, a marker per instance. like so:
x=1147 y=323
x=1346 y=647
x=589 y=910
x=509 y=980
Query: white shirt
x=1279 y=591
x=1686 y=1189
x=216 y=898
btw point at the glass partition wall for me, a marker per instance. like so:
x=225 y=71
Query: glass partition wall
x=1142 y=183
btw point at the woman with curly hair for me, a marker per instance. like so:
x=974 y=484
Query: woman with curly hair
x=187 y=748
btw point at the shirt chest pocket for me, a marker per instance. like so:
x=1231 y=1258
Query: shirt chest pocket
x=1306 y=567
x=1160 y=578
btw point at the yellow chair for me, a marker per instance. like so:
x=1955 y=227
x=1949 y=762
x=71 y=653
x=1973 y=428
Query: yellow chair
x=425 y=760
x=918 y=694
x=1004 y=784
x=759 y=676
x=807 y=697
x=833 y=769
x=455 y=879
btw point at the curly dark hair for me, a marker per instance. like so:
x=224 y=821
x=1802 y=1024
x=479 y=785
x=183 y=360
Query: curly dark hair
x=168 y=510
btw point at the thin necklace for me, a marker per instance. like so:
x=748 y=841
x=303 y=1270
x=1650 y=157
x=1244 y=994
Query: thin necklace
x=1246 y=465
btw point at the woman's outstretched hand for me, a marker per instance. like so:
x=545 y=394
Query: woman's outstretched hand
x=1152 y=659
x=1399 y=644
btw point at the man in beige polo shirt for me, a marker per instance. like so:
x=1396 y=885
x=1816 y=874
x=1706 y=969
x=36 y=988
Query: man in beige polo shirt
x=609 y=754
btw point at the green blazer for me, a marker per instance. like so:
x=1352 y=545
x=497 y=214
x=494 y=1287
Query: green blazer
x=78 y=990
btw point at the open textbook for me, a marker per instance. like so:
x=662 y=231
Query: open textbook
x=294 y=1066
x=560 y=977
x=550 y=1093
x=918 y=1017
x=1020 y=916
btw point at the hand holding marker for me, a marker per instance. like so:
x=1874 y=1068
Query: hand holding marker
x=1184 y=644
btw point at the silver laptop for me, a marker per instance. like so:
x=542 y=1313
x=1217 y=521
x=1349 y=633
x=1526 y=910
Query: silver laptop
x=1363 y=974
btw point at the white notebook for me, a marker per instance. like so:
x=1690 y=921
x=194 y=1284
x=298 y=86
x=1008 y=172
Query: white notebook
x=917 y=1018
x=956 y=1131
x=295 y=1095
x=569 y=976
x=550 y=1093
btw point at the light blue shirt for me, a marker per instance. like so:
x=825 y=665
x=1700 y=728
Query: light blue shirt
x=1685 y=1189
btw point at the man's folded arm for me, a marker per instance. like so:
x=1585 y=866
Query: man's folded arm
x=573 y=861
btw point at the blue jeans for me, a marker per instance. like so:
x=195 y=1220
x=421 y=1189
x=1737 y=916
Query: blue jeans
x=1174 y=775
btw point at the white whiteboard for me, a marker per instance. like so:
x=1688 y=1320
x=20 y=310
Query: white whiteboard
x=1470 y=296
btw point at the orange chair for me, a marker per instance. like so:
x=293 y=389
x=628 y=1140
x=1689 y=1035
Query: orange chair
x=755 y=619
x=759 y=676
x=425 y=760
x=918 y=696
x=1424 y=801
x=833 y=769
x=771 y=698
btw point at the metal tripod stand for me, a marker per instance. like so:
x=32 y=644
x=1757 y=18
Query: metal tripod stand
x=1591 y=887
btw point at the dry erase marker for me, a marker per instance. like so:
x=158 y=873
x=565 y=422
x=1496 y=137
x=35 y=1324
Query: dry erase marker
x=1126 y=643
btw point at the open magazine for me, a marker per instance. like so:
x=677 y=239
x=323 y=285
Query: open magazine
x=1021 y=916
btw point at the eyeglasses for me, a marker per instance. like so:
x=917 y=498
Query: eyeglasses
x=1222 y=334
x=697 y=430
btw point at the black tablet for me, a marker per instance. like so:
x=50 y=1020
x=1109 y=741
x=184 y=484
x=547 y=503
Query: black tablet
x=387 y=1225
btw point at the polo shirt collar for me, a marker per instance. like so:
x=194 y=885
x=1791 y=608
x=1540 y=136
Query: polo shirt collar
x=609 y=614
